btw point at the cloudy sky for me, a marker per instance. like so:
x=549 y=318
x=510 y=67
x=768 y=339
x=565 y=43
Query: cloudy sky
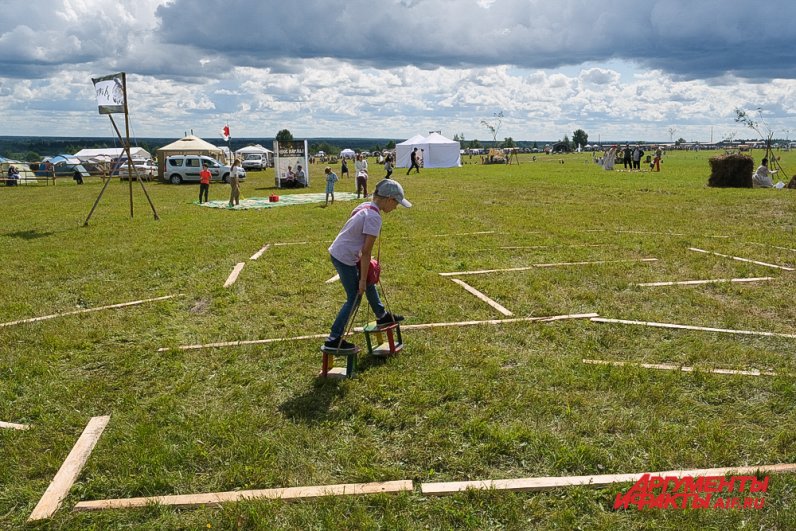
x=619 y=69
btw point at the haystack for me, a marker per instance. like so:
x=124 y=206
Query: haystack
x=731 y=171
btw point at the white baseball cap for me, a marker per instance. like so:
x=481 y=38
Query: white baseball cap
x=392 y=189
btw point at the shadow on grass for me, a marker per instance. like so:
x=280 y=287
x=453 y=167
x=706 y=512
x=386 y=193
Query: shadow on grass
x=314 y=405
x=28 y=234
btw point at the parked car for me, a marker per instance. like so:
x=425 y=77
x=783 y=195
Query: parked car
x=186 y=168
x=143 y=169
x=255 y=161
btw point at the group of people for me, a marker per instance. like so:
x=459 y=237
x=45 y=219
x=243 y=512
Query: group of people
x=294 y=178
x=235 y=173
x=631 y=158
x=361 y=171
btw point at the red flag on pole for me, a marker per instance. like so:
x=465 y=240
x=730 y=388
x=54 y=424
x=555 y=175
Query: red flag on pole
x=225 y=132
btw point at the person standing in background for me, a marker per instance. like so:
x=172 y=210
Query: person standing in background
x=234 y=183
x=204 y=183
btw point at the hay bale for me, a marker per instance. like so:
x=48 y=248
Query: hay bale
x=731 y=171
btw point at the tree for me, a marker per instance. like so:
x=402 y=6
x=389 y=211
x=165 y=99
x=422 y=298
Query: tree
x=494 y=126
x=460 y=139
x=508 y=142
x=679 y=141
x=566 y=143
x=580 y=137
x=284 y=136
x=474 y=144
x=390 y=145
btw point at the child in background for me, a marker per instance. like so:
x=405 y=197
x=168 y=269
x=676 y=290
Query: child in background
x=204 y=183
x=351 y=252
x=388 y=165
x=331 y=178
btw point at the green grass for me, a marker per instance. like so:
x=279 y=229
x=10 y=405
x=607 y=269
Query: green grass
x=485 y=402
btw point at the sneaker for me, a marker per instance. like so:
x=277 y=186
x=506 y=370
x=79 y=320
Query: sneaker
x=336 y=344
x=389 y=318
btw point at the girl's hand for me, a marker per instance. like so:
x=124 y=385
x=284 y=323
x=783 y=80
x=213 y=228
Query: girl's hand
x=362 y=286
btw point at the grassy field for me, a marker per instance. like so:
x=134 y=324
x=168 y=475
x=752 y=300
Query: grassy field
x=460 y=403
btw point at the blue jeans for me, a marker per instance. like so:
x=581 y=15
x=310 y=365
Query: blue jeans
x=349 y=278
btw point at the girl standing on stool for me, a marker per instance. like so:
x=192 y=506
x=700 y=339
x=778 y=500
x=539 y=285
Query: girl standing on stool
x=350 y=253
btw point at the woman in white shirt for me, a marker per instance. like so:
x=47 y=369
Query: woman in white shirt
x=234 y=183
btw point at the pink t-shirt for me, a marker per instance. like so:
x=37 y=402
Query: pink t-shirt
x=365 y=221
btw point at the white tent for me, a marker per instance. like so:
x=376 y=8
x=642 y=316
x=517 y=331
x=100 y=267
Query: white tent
x=347 y=153
x=436 y=151
x=85 y=155
x=405 y=148
x=257 y=148
x=190 y=145
x=442 y=152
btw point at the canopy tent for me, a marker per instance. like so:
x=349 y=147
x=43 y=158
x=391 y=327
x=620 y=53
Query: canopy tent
x=442 y=152
x=190 y=145
x=257 y=148
x=403 y=151
x=107 y=154
x=63 y=165
x=347 y=154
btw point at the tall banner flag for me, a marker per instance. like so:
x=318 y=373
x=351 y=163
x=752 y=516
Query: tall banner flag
x=225 y=132
x=110 y=92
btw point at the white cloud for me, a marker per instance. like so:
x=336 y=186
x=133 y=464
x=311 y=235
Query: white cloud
x=392 y=69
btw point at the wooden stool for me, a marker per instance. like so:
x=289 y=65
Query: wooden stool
x=374 y=335
x=328 y=370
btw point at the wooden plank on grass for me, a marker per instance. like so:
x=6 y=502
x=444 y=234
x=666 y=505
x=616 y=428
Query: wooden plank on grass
x=483 y=297
x=690 y=327
x=218 y=498
x=548 y=319
x=86 y=310
x=234 y=275
x=70 y=470
x=243 y=342
x=683 y=368
x=774 y=246
x=695 y=249
x=546 y=483
x=557 y=264
x=404 y=327
x=259 y=253
x=14 y=426
x=710 y=281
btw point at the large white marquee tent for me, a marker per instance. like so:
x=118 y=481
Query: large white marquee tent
x=437 y=151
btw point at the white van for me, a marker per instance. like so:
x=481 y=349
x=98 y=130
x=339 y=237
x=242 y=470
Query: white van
x=255 y=161
x=186 y=168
